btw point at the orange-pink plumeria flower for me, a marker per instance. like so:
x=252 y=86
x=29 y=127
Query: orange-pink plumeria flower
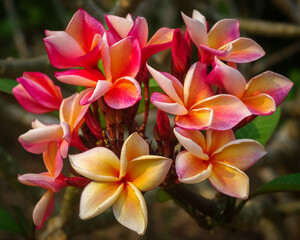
x=194 y=104
x=262 y=94
x=37 y=93
x=121 y=63
x=118 y=183
x=219 y=157
x=79 y=45
x=223 y=40
x=54 y=140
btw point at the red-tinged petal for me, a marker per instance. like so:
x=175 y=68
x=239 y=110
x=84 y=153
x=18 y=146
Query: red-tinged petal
x=96 y=197
x=196 y=119
x=216 y=139
x=130 y=209
x=191 y=169
x=105 y=56
x=162 y=36
x=171 y=85
x=118 y=26
x=79 y=182
x=134 y=147
x=125 y=58
x=98 y=163
x=53 y=160
x=43 y=209
x=193 y=141
x=207 y=53
x=197 y=30
x=244 y=50
x=150 y=50
x=147 y=172
x=273 y=84
x=83 y=27
x=229 y=180
x=242 y=153
x=140 y=31
x=27 y=102
x=261 y=104
x=80 y=77
x=124 y=93
x=163 y=125
x=37 y=140
x=227 y=110
x=63 y=50
x=223 y=32
x=166 y=104
x=195 y=86
x=228 y=78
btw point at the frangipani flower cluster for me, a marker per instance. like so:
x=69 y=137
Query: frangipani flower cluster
x=115 y=164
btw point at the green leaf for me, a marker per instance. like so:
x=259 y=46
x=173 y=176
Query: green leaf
x=6 y=85
x=8 y=223
x=285 y=183
x=162 y=196
x=260 y=129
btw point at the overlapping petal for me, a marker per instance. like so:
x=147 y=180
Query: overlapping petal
x=261 y=104
x=53 y=159
x=216 y=139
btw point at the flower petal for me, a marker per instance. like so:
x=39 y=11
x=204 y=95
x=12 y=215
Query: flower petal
x=166 y=104
x=118 y=26
x=191 y=169
x=53 y=159
x=216 y=139
x=140 y=31
x=192 y=140
x=229 y=180
x=197 y=119
x=130 y=209
x=261 y=104
x=207 y=53
x=96 y=197
x=242 y=153
x=124 y=93
x=147 y=172
x=98 y=163
x=273 y=84
x=244 y=50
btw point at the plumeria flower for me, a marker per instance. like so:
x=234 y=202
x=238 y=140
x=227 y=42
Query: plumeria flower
x=123 y=27
x=37 y=93
x=118 y=183
x=79 y=45
x=121 y=63
x=219 y=157
x=194 y=103
x=223 y=40
x=262 y=94
x=54 y=140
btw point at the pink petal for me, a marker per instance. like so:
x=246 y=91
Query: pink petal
x=124 y=93
x=118 y=26
x=223 y=32
x=261 y=104
x=227 y=110
x=163 y=125
x=53 y=160
x=207 y=53
x=191 y=169
x=140 y=31
x=193 y=141
x=229 y=180
x=216 y=139
x=273 y=84
x=166 y=104
x=242 y=153
x=244 y=50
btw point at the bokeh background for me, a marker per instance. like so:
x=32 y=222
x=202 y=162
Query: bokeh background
x=274 y=24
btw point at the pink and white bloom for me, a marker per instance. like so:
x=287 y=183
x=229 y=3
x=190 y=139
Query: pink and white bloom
x=119 y=182
x=121 y=63
x=194 y=103
x=262 y=94
x=219 y=157
x=79 y=45
x=223 y=40
x=37 y=93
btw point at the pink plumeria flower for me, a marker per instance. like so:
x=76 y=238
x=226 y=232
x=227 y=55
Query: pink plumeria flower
x=54 y=140
x=194 y=103
x=37 y=93
x=45 y=205
x=262 y=94
x=118 y=183
x=79 y=45
x=121 y=63
x=223 y=40
x=138 y=29
x=219 y=157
